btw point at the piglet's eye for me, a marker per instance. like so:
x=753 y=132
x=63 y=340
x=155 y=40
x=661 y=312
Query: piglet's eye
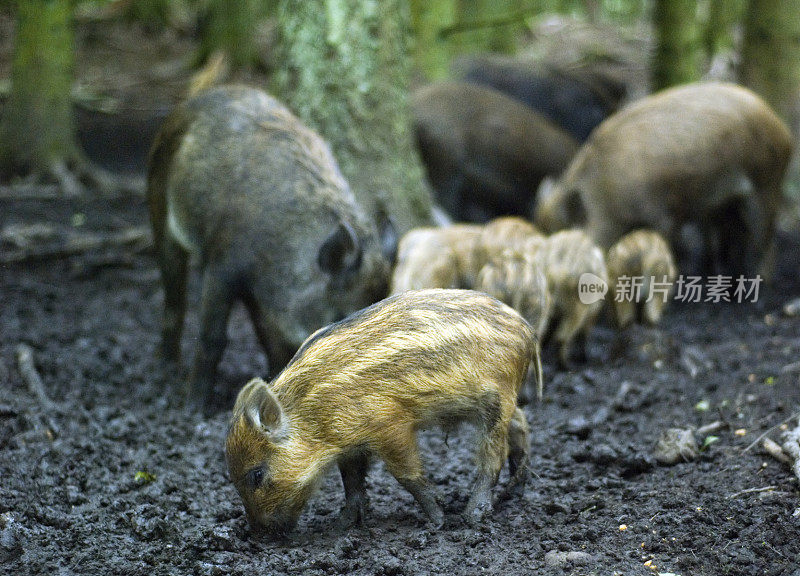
x=255 y=477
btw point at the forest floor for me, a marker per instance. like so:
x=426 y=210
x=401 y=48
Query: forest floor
x=103 y=472
x=109 y=475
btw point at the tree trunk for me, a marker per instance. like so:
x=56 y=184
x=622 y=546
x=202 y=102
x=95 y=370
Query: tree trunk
x=432 y=52
x=771 y=67
x=771 y=53
x=343 y=67
x=37 y=134
x=229 y=27
x=490 y=25
x=678 y=52
x=722 y=14
x=154 y=14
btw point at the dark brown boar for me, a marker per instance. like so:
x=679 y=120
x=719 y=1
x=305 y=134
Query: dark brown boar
x=485 y=153
x=576 y=100
x=710 y=155
x=238 y=182
x=363 y=387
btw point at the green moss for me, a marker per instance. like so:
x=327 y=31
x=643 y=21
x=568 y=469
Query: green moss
x=345 y=71
x=37 y=126
x=679 y=51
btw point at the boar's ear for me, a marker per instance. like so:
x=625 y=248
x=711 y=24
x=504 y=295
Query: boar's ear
x=574 y=209
x=340 y=251
x=262 y=410
x=387 y=233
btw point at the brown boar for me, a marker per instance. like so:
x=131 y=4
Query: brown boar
x=240 y=183
x=710 y=155
x=362 y=387
x=435 y=258
x=565 y=257
x=485 y=153
x=646 y=255
x=520 y=282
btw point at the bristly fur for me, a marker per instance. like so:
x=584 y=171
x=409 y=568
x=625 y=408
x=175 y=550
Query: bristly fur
x=645 y=254
x=366 y=384
x=565 y=256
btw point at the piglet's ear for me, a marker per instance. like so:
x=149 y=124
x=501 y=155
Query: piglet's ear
x=262 y=410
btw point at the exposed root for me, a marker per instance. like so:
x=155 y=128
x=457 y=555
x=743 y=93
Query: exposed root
x=30 y=375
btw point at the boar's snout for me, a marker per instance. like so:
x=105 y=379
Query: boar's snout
x=273 y=527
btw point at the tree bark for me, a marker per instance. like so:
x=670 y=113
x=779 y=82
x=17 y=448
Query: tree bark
x=152 y=13
x=37 y=133
x=771 y=54
x=343 y=68
x=229 y=27
x=722 y=14
x=678 y=52
x=490 y=25
x=432 y=52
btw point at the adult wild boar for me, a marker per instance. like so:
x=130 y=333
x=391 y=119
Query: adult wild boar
x=711 y=155
x=485 y=153
x=577 y=100
x=364 y=386
x=240 y=183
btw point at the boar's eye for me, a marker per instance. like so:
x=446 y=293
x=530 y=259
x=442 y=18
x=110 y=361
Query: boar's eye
x=254 y=477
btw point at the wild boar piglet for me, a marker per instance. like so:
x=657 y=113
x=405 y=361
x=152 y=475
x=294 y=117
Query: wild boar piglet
x=641 y=272
x=362 y=387
x=434 y=258
x=565 y=257
x=520 y=282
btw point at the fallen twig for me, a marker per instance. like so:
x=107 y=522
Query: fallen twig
x=138 y=237
x=28 y=371
x=778 y=425
x=709 y=428
x=31 y=192
x=751 y=491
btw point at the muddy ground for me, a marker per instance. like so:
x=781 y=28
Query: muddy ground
x=109 y=475
x=115 y=478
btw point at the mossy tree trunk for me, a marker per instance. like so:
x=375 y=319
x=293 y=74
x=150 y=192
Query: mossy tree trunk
x=678 y=54
x=343 y=67
x=771 y=67
x=771 y=52
x=37 y=134
x=152 y=13
x=229 y=27
x=722 y=15
x=432 y=51
x=490 y=25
